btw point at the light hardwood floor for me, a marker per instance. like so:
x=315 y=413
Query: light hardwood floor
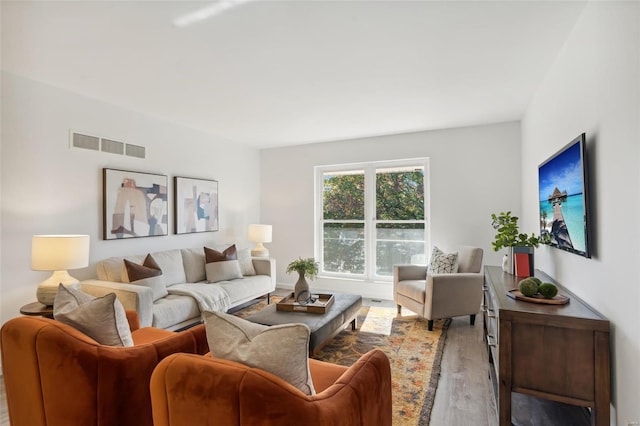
x=4 y=416
x=464 y=396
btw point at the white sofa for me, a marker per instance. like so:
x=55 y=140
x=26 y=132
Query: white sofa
x=179 y=266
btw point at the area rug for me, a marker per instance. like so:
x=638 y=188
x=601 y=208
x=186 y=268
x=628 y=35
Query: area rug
x=415 y=354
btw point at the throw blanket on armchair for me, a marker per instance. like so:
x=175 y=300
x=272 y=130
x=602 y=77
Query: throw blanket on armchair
x=209 y=297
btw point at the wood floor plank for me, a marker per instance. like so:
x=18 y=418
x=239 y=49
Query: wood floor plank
x=464 y=395
x=4 y=413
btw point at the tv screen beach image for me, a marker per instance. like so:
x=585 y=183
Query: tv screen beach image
x=562 y=202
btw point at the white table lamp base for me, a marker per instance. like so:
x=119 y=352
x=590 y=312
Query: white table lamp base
x=48 y=288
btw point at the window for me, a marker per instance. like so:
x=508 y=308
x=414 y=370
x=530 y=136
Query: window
x=371 y=216
x=343 y=229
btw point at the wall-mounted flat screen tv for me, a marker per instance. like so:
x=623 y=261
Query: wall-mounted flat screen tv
x=563 y=196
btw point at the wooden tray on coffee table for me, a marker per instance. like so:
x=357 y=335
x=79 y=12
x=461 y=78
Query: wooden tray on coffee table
x=320 y=306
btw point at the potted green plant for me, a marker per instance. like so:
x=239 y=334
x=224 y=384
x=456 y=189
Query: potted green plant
x=508 y=236
x=306 y=268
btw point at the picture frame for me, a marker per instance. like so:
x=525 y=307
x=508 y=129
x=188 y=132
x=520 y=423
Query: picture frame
x=134 y=204
x=195 y=205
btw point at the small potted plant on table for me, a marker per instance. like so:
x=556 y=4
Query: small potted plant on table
x=509 y=237
x=306 y=268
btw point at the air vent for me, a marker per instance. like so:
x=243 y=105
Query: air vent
x=113 y=147
x=84 y=141
x=96 y=143
x=135 y=151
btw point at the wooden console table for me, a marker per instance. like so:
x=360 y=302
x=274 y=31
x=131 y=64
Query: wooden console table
x=554 y=352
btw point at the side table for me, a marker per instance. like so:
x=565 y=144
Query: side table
x=37 y=309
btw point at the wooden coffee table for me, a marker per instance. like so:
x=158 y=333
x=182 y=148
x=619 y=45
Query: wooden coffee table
x=324 y=327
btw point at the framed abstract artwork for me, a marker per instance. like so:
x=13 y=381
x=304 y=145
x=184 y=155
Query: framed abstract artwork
x=196 y=205
x=134 y=204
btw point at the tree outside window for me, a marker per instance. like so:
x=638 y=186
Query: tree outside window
x=400 y=224
x=343 y=213
x=372 y=218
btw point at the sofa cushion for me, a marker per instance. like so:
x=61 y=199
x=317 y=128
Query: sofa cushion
x=193 y=261
x=112 y=269
x=212 y=255
x=223 y=271
x=281 y=350
x=174 y=309
x=170 y=262
x=246 y=264
x=101 y=318
x=247 y=288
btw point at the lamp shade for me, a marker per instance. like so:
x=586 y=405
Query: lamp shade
x=59 y=252
x=260 y=233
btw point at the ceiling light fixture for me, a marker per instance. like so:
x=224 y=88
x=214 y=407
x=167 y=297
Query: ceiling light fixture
x=206 y=12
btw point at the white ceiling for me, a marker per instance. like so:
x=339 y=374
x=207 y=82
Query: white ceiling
x=275 y=73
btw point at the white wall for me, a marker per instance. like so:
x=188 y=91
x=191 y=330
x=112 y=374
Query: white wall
x=594 y=87
x=49 y=188
x=474 y=172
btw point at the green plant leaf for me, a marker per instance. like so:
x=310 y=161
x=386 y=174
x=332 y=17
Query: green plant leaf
x=508 y=234
x=307 y=267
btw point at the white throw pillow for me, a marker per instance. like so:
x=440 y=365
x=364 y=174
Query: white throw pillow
x=246 y=264
x=443 y=263
x=101 y=318
x=281 y=350
x=223 y=271
x=156 y=284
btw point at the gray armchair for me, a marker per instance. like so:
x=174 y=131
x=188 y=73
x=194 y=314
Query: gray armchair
x=441 y=295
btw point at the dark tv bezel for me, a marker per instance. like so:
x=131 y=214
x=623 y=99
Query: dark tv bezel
x=580 y=139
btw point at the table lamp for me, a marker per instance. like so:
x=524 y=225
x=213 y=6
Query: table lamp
x=260 y=234
x=58 y=253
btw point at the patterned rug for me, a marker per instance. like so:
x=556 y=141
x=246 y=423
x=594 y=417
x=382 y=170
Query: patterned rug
x=415 y=354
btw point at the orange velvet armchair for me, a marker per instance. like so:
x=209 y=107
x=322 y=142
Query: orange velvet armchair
x=189 y=390
x=57 y=376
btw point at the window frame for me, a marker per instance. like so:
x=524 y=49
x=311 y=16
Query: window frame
x=370 y=221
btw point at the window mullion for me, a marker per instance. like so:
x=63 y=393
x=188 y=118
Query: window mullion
x=319 y=233
x=370 y=224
